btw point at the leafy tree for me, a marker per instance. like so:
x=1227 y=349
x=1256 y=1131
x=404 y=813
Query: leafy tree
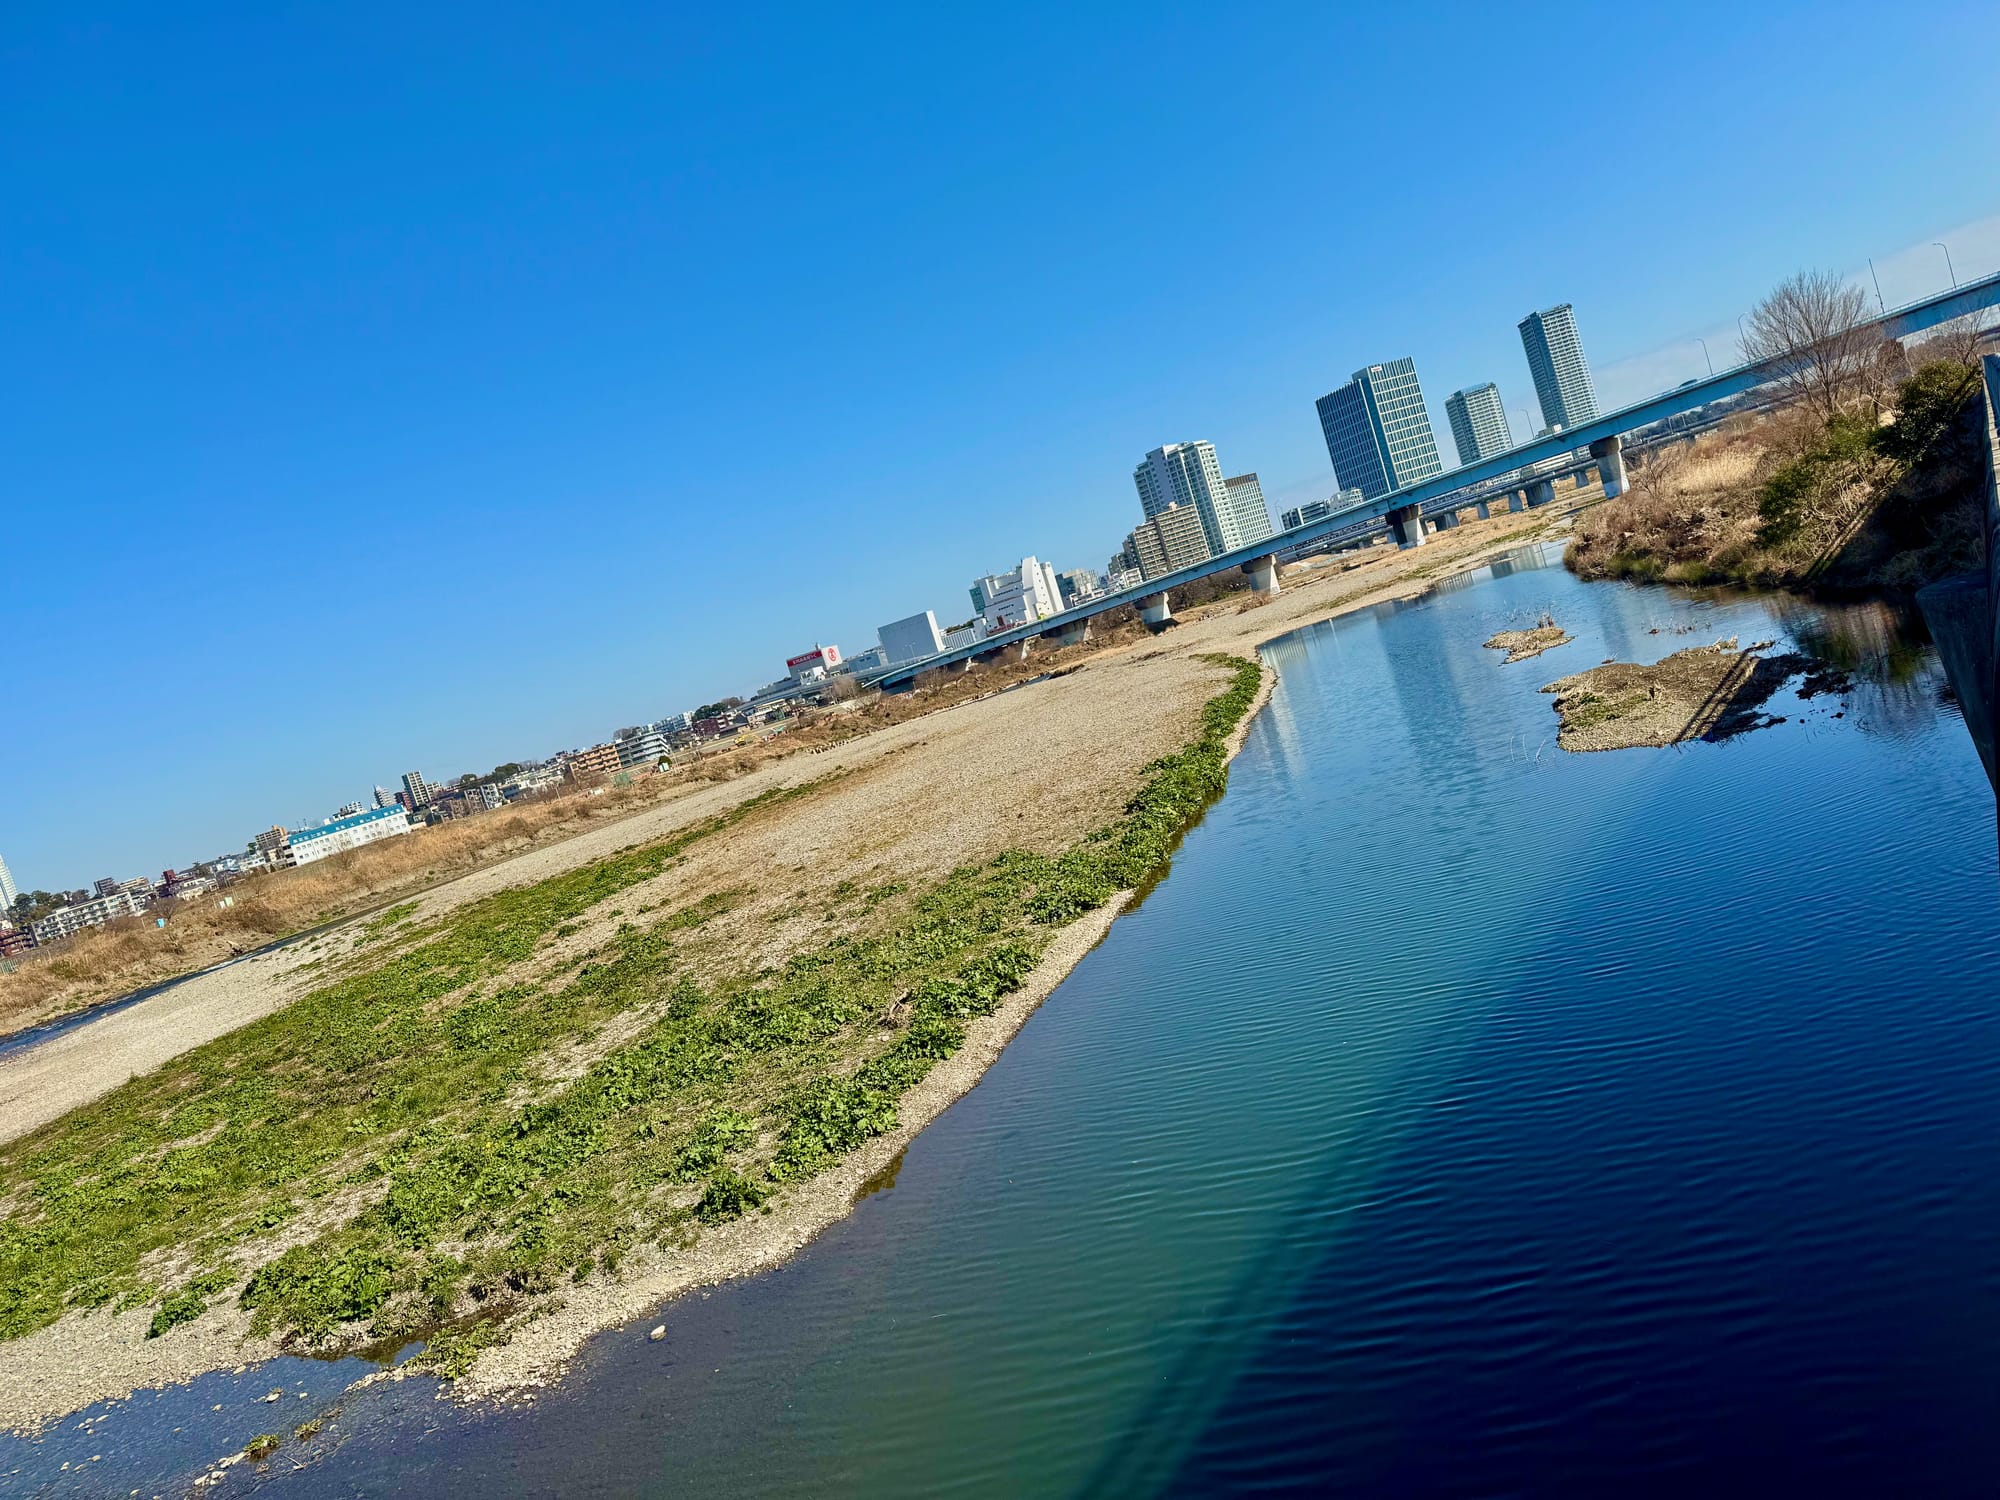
x=1928 y=405
x=1808 y=500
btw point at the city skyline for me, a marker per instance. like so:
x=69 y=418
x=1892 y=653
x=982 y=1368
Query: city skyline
x=261 y=388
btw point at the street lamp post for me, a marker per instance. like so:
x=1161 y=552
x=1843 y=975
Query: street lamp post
x=1949 y=268
x=1742 y=338
x=1881 y=306
x=1704 y=352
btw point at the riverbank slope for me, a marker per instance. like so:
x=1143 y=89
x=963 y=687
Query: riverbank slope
x=548 y=1097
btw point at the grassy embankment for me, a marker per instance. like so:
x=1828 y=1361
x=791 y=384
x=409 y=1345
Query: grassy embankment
x=399 y=1153
x=1867 y=502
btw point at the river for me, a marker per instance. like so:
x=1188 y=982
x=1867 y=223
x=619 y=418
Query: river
x=1459 y=1117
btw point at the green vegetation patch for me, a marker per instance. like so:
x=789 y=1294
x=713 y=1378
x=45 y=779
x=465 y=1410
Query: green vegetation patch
x=401 y=1128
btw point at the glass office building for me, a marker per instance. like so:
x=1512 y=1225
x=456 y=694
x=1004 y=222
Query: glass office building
x=1377 y=431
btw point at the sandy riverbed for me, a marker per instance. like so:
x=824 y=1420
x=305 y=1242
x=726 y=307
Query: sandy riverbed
x=1031 y=767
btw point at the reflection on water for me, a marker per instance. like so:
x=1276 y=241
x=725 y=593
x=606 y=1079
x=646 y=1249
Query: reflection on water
x=1460 y=1117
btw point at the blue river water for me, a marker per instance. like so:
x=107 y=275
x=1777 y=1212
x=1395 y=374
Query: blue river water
x=1461 y=1116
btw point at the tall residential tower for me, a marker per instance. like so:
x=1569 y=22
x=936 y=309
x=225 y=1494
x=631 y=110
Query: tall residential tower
x=1555 y=359
x=8 y=895
x=1187 y=474
x=1377 y=431
x=1478 y=422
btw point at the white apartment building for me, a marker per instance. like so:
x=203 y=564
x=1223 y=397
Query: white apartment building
x=341 y=834
x=1233 y=513
x=644 y=748
x=1025 y=595
x=65 y=920
x=8 y=893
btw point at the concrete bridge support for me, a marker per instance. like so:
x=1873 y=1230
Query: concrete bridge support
x=1541 y=492
x=1448 y=521
x=1610 y=455
x=1263 y=574
x=1515 y=500
x=1156 y=610
x=1406 y=525
x=1073 y=634
x=1485 y=510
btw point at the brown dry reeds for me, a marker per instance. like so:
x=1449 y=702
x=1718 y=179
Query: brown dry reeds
x=100 y=962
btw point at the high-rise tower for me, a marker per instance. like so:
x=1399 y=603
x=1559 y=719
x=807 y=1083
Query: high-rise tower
x=1478 y=422
x=1555 y=358
x=1377 y=431
x=1188 y=474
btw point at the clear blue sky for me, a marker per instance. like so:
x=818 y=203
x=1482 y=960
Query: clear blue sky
x=393 y=386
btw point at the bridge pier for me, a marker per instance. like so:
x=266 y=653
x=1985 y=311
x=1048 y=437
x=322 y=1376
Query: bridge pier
x=1485 y=510
x=1073 y=634
x=1541 y=492
x=1157 y=611
x=1514 y=500
x=1448 y=521
x=1610 y=455
x=1263 y=574
x=1406 y=524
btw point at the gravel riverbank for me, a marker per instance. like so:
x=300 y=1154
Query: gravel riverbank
x=1032 y=768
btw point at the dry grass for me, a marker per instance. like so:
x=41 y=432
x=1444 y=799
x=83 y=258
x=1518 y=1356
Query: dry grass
x=1689 y=516
x=129 y=954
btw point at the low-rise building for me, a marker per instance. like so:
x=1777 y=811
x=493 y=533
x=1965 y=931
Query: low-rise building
x=1319 y=510
x=911 y=639
x=811 y=666
x=78 y=915
x=1018 y=597
x=598 y=760
x=1078 y=586
x=874 y=659
x=338 y=835
x=14 y=940
x=647 y=747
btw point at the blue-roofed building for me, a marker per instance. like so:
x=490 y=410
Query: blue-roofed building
x=304 y=845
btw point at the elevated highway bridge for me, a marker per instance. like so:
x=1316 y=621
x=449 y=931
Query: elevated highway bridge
x=1403 y=512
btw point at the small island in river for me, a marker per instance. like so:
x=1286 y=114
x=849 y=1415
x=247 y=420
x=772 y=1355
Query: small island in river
x=1520 y=645
x=1704 y=692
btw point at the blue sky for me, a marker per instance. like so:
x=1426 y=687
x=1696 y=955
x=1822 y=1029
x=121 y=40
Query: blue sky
x=436 y=386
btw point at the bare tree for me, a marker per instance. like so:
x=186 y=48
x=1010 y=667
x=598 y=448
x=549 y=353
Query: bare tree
x=1960 y=340
x=1813 y=333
